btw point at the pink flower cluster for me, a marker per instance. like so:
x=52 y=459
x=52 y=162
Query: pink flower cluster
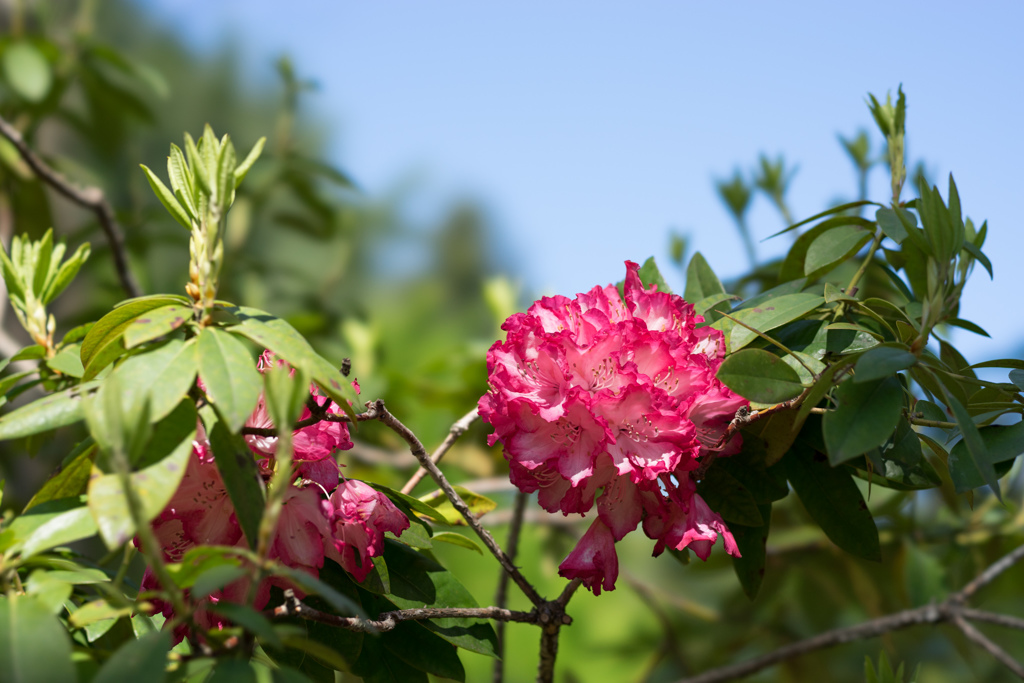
x=322 y=515
x=613 y=397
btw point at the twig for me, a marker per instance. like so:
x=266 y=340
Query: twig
x=457 y=430
x=91 y=198
x=951 y=610
x=501 y=595
x=379 y=412
x=981 y=640
x=387 y=621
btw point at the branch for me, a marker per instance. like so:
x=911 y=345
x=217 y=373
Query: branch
x=950 y=610
x=501 y=596
x=379 y=412
x=387 y=621
x=457 y=430
x=90 y=198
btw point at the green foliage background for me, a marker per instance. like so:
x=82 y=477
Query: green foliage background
x=306 y=244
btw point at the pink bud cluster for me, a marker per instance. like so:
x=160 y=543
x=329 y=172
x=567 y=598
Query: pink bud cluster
x=613 y=397
x=322 y=515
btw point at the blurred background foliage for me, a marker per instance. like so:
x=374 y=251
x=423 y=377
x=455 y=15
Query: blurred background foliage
x=99 y=87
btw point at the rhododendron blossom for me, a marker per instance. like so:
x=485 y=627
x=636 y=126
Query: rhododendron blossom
x=615 y=397
x=347 y=525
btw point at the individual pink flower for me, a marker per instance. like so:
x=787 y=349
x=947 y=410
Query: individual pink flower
x=358 y=516
x=613 y=396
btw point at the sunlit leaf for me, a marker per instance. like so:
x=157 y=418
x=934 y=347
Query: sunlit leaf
x=760 y=376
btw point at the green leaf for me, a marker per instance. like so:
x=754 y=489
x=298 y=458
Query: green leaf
x=882 y=361
x=767 y=316
x=967 y=325
x=27 y=71
x=414 y=644
x=376 y=665
x=975 y=446
x=650 y=275
x=65 y=274
x=729 y=498
x=759 y=376
x=456 y=539
x=248 y=618
x=1015 y=363
x=71 y=480
x=828 y=212
x=49 y=412
x=1017 y=377
x=34 y=352
x=343 y=604
x=232 y=671
x=752 y=543
x=243 y=168
x=1002 y=445
x=229 y=372
x=707 y=303
x=865 y=417
x=281 y=338
x=144 y=659
x=162 y=374
x=67 y=527
x=415 y=504
x=701 y=281
x=478 y=505
x=68 y=361
x=167 y=198
x=108 y=330
x=226 y=161
x=891 y=225
x=980 y=256
x=156 y=323
x=417 y=580
x=237 y=467
x=832 y=247
x=34 y=647
x=155 y=486
x=833 y=501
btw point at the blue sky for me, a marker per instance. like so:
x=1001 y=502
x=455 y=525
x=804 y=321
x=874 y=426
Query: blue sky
x=589 y=129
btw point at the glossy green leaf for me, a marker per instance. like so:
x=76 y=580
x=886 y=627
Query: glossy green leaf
x=281 y=338
x=343 y=604
x=457 y=539
x=865 y=416
x=229 y=373
x=167 y=198
x=882 y=361
x=71 y=480
x=701 y=281
x=760 y=376
x=144 y=659
x=201 y=559
x=237 y=467
x=377 y=665
x=156 y=323
x=1017 y=377
x=67 y=527
x=967 y=325
x=974 y=445
x=752 y=544
x=34 y=646
x=242 y=169
x=829 y=212
x=752 y=468
x=33 y=352
x=767 y=316
x=891 y=225
x=68 y=361
x=415 y=504
x=707 y=303
x=232 y=670
x=415 y=536
x=65 y=274
x=729 y=498
x=56 y=410
x=833 y=501
x=651 y=275
x=162 y=374
x=215 y=578
x=154 y=486
x=27 y=71
x=832 y=247
x=1002 y=445
x=417 y=580
x=414 y=644
x=479 y=505
x=109 y=328
x=980 y=256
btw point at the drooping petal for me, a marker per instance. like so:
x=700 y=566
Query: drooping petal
x=593 y=560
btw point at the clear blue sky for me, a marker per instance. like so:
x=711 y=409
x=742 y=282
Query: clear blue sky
x=589 y=129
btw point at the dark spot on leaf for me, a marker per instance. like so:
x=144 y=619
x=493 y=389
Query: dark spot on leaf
x=862 y=505
x=172 y=467
x=819 y=457
x=143 y=321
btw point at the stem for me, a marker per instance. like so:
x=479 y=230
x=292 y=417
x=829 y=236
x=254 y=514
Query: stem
x=851 y=288
x=457 y=430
